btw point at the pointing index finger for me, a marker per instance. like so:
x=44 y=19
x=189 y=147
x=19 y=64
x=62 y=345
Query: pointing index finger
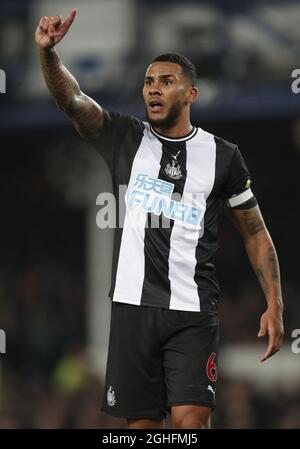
x=63 y=28
x=68 y=22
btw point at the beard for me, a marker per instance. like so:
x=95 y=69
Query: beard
x=169 y=120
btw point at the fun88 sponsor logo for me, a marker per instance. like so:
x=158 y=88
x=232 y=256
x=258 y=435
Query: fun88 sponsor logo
x=156 y=196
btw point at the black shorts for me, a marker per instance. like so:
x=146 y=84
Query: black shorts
x=158 y=358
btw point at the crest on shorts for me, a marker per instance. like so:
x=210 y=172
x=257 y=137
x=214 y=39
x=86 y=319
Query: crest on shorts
x=111 y=398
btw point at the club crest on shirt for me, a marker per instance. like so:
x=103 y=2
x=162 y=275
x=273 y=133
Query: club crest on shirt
x=174 y=170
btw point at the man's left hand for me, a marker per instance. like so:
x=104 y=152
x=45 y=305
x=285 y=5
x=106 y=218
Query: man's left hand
x=271 y=323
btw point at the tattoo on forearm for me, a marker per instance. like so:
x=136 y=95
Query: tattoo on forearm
x=273 y=265
x=252 y=222
x=60 y=82
x=66 y=92
x=268 y=273
x=261 y=277
x=262 y=254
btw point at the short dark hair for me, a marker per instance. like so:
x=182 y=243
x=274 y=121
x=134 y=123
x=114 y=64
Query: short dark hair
x=188 y=68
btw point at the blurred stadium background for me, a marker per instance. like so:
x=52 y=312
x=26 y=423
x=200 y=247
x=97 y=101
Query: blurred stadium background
x=55 y=262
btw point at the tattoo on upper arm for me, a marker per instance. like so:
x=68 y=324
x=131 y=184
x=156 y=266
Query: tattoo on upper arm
x=252 y=221
x=89 y=118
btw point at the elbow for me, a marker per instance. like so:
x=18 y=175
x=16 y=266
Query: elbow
x=259 y=240
x=69 y=103
x=63 y=104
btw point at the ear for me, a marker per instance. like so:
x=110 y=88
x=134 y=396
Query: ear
x=192 y=94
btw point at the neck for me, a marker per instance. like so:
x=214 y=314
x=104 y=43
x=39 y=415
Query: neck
x=180 y=129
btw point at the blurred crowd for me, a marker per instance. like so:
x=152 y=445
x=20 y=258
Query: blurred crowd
x=44 y=377
x=47 y=402
x=45 y=380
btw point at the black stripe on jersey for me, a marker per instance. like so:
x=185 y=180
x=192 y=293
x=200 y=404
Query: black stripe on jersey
x=156 y=286
x=205 y=276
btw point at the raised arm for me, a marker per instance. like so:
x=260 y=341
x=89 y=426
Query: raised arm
x=85 y=113
x=263 y=258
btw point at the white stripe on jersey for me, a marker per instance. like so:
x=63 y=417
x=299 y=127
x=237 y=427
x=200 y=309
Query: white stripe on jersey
x=131 y=262
x=200 y=166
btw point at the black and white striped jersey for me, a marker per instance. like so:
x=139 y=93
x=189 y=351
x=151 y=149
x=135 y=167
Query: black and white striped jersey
x=176 y=190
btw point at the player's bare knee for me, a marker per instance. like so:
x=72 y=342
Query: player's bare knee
x=191 y=420
x=145 y=424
